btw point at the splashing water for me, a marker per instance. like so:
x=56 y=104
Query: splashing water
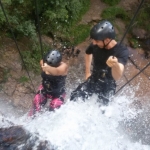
x=84 y=126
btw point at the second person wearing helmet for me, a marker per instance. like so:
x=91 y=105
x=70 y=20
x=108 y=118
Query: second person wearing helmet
x=109 y=59
x=54 y=73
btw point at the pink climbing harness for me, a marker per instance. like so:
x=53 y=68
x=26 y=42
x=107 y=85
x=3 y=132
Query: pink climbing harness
x=41 y=99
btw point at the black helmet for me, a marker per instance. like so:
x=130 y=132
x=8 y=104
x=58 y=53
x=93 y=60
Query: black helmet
x=53 y=58
x=102 y=30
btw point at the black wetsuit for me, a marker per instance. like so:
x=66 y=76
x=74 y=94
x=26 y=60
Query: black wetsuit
x=53 y=85
x=101 y=81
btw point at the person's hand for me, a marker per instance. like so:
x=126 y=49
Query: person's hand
x=112 y=61
x=87 y=75
x=44 y=67
x=41 y=63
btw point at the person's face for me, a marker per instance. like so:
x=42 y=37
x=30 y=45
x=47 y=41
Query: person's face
x=100 y=44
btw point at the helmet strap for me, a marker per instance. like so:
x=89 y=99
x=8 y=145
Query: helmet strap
x=105 y=45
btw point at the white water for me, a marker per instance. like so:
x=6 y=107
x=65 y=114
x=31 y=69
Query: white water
x=82 y=126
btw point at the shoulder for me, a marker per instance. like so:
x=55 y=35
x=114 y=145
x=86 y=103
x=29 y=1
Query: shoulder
x=63 y=68
x=122 y=53
x=122 y=49
x=63 y=64
x=122 y=46
x=90 y=49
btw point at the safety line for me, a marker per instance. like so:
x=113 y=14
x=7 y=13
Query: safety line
x=38 y=27
x=133 y=77
x=132 y=61
x=16 y=44
x=124 y=37
x=139 y=7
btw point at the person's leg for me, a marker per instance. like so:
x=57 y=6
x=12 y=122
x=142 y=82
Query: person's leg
x=108 y=92
x=84 y=90
x=56 y=102
x=39 y=99
x=103 y=99
x=98 y=90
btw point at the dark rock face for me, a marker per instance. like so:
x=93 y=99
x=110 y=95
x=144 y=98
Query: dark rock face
x=16 y=138
x=143 y=40
x=139 y=33
x=2 y=72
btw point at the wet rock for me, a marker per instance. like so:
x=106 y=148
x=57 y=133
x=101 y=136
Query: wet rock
x=95 y=19
x=17 y=138
x=12 y=137
x=142 y=39
x=9 y=87
x=139 y=33
x=129 y=5
x=145 y=44
x=23 y=101
x=11 y=59
x=2 y=77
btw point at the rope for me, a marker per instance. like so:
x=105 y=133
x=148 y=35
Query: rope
x=16 y=43
x=139 y=7
x=132 y=61
x=38 y=27
x=124 y=37
x=133 y=77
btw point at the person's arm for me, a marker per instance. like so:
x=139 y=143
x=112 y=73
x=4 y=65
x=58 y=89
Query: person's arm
x=88 y=61
x=116 y=67
x=41 y=62
x=56 y=71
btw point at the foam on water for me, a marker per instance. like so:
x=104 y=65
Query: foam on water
x=83 y=126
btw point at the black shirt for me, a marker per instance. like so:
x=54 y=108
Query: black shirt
x=100 y=56
x=54 y=85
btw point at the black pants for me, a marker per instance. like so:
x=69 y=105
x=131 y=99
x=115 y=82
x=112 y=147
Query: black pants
x=103 y=88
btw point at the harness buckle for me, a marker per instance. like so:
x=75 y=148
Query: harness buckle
x=104 y=72
x=103 y=75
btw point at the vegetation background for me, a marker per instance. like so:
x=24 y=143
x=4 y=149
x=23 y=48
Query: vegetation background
x=59 y=20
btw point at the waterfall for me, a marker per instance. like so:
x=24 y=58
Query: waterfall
x=83 y=126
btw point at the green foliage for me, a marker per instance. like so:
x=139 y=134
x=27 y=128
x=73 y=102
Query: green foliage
x=23 y=79
x=18 y=13
x=134 y=43
x=2 y=18
x=114 y=12
x=143 y=17
x=79 y=33
x=27 y=29
x=6 y=1
x=62 y=14
x=33 y=56
x=111 y=2
x=55 y=16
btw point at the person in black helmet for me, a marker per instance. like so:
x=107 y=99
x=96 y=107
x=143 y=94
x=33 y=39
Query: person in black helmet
x=54 y=73
x=109 y=59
